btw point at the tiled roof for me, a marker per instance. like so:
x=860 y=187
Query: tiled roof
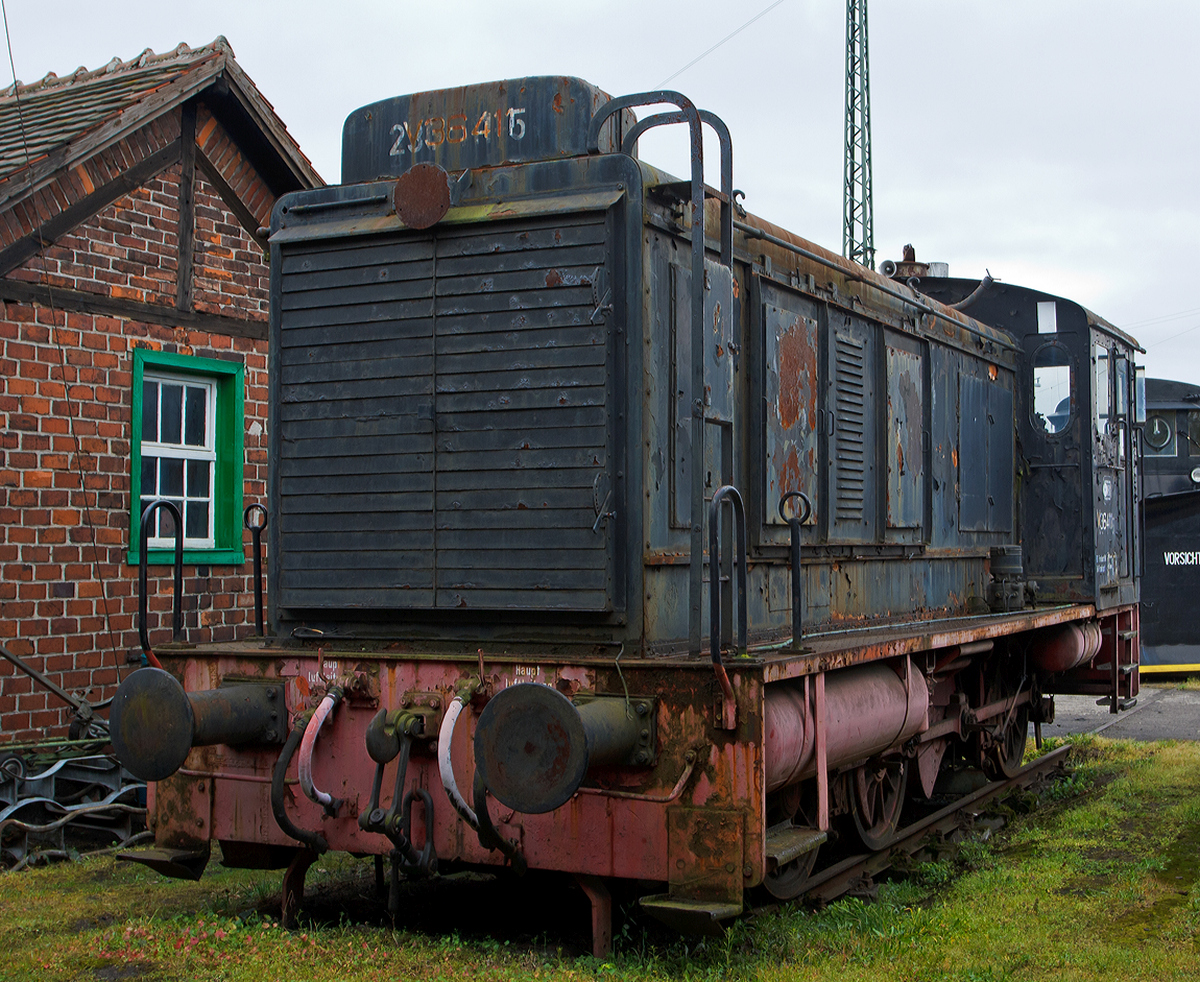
x=53 y=122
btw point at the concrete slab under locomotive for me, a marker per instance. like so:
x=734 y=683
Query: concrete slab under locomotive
x=1163 y=712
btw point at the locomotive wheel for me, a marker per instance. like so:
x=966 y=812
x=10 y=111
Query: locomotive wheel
x=795 y=805
x=789 y=881
x=1003 y=758
x=1001 y=750
x=877 y=789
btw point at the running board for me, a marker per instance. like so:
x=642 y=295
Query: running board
x=689 y=916
x=179 y=864
x=787 y=842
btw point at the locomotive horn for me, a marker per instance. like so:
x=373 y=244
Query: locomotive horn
x=533 y=746
x=154 y=723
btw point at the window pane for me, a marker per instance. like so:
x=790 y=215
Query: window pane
x=1102 y=389
x=197 y=478
x=1193 y=441
x=196 y=520
x=1047 y=317
x=149 y=485
x=150 y=411
x=1121 y=377
x=196 y=417
x=1052 y=388
x=172 y=414
x=170 y=474
x=166 y=522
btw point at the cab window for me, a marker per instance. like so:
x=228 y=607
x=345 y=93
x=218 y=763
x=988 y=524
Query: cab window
x=1051 y=388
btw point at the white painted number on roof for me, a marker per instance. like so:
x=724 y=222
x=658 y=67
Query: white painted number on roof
x=436 y=130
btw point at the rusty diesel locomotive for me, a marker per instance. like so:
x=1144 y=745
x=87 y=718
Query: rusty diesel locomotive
x=616 y=531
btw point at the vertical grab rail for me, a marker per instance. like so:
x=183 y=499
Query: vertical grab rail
x=688 y=113
x=794 y=524
x=144 y=550
x=728 y=701
x=256 y=532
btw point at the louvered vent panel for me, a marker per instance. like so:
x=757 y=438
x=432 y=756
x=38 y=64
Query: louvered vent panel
x=850 y=402
x=444 y=421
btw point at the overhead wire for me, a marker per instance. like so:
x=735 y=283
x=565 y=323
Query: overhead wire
x=1163 y=317
x=732 y=34
x=1151 y=344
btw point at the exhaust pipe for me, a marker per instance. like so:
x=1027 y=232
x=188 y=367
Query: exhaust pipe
x=154 y=723
x=533 y=746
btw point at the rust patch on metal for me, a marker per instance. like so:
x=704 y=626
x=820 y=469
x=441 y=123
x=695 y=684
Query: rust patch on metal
x=704 y=852
x=183 y=807
x=789 y=476
x=422 y=195
x=797 y=372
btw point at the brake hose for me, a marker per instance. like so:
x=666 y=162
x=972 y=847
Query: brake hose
x=445 y=765
x=331 y=804
x=314 y=840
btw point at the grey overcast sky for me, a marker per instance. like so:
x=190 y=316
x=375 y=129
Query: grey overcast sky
x=1052 y=142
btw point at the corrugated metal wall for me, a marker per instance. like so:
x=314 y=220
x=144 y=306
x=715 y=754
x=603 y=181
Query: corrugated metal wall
x=444 y=425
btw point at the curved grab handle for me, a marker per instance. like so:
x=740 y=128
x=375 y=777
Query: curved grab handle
x=714 y=564
x=691 y=115
x=794 y=523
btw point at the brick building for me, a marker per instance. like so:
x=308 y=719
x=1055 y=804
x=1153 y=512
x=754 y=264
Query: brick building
x=133 y=324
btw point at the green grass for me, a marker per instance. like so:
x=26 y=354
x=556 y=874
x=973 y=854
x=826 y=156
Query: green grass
x=1099 y=882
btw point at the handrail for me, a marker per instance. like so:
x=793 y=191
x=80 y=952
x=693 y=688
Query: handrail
x=629 y=146
x=143 y=561
x=256 y=532
x=691 y=115
x=714 y=565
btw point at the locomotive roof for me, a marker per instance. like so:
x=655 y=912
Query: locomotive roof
x=952 y=290
x=1164 y=393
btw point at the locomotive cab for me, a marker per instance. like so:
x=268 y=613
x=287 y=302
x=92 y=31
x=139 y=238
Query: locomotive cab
x=1080 y=414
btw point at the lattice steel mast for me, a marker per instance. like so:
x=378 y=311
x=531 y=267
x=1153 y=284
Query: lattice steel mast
x=858 y=226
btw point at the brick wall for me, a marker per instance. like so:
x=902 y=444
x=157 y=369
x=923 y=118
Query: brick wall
x=68 y=598
x=80 y=181
x=129 y=250
x=228 y=263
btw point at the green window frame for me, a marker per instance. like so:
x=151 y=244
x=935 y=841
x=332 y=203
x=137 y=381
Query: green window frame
x=228 y=443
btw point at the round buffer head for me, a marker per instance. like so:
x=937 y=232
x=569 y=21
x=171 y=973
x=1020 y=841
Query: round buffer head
x=531 y=748
x=151 y=724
